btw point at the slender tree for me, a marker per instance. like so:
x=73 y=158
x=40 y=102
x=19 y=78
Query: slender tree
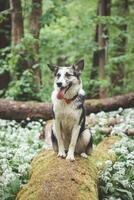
x=100 y=56
x=5 y=24
x=16 y=21
x=35 y=17
x=104 y=10
x=95 y=53
x=5 y=35
x=118 y=73
x=34 y=29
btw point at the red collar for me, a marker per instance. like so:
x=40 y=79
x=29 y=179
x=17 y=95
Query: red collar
x=68 y=101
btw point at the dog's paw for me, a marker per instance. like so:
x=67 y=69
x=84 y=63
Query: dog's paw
x=70 y=157
x=61 y=155
x=84 y=155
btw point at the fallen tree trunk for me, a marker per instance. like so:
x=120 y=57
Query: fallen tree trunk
x=111 y=103
x=21 y=110
x=58 y=179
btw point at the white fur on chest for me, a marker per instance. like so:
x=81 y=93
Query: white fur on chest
x=67 y=115
x=66 y=112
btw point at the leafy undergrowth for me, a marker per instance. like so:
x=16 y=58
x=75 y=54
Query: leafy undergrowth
x=117 y=121
x=117 y=179
x=19 y=143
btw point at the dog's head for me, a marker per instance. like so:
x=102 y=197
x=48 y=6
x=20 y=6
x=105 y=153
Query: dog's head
x=66 y=77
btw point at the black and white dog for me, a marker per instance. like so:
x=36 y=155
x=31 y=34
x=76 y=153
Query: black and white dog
x=69 y=134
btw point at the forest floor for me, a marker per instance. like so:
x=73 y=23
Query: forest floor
x=20 y=142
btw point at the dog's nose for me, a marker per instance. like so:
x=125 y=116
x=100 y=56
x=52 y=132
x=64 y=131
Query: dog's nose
x=59 y=84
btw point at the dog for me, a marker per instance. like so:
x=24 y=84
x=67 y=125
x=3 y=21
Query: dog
x=69 y=134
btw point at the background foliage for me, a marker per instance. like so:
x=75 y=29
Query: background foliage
x=67 y=34
x=117 y=179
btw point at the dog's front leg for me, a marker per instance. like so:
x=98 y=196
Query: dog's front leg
x=74 y=138
x=61 y=149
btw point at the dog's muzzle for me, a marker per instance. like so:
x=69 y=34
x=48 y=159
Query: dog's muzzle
x=62 y=90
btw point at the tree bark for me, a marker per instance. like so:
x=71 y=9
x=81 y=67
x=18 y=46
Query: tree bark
x=34 y=29
x=5 y=25
x=109 y=104
x=35 y=17
x=18 y=110
x=17 y=21
x=100 y=56
x=21 y=110
x=5 y=78
x=5 y=35
x=104 y=10
x=59 y=179
x=93 y=89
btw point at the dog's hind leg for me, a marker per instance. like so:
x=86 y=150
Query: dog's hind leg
x=90 y=144
x=84 y=144
x=54 y=141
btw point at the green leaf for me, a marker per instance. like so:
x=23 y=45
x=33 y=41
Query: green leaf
x=15 y=185
x=129 y=194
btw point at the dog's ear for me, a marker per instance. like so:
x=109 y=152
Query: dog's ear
x=79 y=66
x=53 y=68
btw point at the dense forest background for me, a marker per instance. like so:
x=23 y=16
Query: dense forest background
x=36 y=32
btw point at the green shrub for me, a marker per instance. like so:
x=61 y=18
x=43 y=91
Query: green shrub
x=117 y=179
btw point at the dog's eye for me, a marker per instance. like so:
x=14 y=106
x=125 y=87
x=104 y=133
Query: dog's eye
x=58 y=75
x=67 y=75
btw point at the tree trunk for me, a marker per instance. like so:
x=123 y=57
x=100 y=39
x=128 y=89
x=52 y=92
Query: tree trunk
x=104 y=10
x=5 y=35
x=5 y=78
x=94 y=69
x=35 y=17
x=5 y=25
x=121 y=42
x=34 y=29
x=100 y=56
x=18 y=110
x=58 y=179
x=17 y=21
x=93 y=89
x=109 y=104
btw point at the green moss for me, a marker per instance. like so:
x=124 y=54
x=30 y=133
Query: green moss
x=57 y=179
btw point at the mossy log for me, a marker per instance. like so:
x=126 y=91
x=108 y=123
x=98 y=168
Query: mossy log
x=53 y=178
x=19 y=110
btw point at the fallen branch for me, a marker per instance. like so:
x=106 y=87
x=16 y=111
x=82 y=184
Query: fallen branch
x=18 y=110
x=107 y=131
x=56 y=179
x=109 y=104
